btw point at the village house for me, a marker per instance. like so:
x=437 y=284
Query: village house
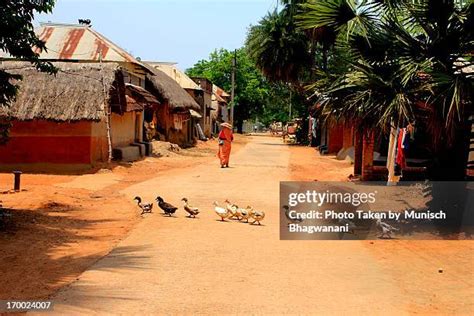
x=205 y=101
x=193 y=89
x=77 y=48
x=220 y=102
x=61 y=123
x=174 y=117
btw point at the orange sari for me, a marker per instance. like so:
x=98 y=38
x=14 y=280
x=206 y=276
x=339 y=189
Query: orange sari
x=227 y=137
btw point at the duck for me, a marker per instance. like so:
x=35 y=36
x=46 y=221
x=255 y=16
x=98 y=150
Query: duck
x=166 y=207
x=257 y=216
x=223 y=213
x=145 y=207
x=232 y=208
x=289 y=218
x=192 y=211
x=244 y=214
x=386 y=229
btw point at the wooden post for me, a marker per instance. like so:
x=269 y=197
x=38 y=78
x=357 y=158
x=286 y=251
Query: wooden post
x=107 y=110
x=358 y=152
x=367 y=155
x=17 y=181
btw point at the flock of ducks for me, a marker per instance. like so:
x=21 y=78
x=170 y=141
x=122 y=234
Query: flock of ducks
x=248 y=214
x=230 y=211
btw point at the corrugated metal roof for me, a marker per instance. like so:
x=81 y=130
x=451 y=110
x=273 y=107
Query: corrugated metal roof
x=78 y=42
x=177 y=75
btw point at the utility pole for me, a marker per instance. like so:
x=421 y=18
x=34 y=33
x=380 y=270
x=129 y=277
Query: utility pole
x=234 y=65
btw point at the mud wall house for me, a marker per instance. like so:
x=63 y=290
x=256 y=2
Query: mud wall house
x=192 y=88
x=145 y=104
x=59 y=123
x=174 y=121
x=76 y=43
x=219 y=105
x=223 y=100
x=206 y=104
x=216 y=116
x=331 y=136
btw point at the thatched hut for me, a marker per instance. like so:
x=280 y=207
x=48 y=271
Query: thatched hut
x=173 y=118
x=200 y=121
x=60 y=122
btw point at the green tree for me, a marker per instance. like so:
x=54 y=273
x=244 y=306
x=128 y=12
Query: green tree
x=402 y=54
x=278 y=48
x=255 y=96
x=251 y=89
x=18 y=39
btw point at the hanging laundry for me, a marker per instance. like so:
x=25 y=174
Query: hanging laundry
x=402 y=142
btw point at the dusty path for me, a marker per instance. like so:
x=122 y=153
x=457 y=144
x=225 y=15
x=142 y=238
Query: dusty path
x=188 y=266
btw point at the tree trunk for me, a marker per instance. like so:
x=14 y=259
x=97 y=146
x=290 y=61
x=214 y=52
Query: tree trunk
x=368 y=155
x=358 y=152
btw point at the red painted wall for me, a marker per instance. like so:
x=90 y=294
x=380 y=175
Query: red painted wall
x=48 y=142
x=335 y=135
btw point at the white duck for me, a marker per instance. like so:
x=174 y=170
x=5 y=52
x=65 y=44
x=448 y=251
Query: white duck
x=223 y=213
x=243 y=214
x=386 y=229
x=232 y=208
x=257 y=216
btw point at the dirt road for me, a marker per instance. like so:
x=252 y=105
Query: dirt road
x=188 y=266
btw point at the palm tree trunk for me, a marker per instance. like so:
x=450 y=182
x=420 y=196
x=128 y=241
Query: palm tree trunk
x=368 y=155
x=358 y=152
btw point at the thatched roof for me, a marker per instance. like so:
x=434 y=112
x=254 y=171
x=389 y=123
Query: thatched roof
x=75 y=93
x=169 y=90
x=138 y=98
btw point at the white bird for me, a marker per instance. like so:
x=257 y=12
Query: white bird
x=145 y=207
x=232 y=208
x=387 y=229
x=221 y=212
x=257 y=216
x=242 y=214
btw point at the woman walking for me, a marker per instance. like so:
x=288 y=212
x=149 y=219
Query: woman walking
x=225 y=144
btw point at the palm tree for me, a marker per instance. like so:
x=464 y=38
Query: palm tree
x=278 y=48
x=413 y=53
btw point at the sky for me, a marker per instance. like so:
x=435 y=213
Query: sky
x=182 y=31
